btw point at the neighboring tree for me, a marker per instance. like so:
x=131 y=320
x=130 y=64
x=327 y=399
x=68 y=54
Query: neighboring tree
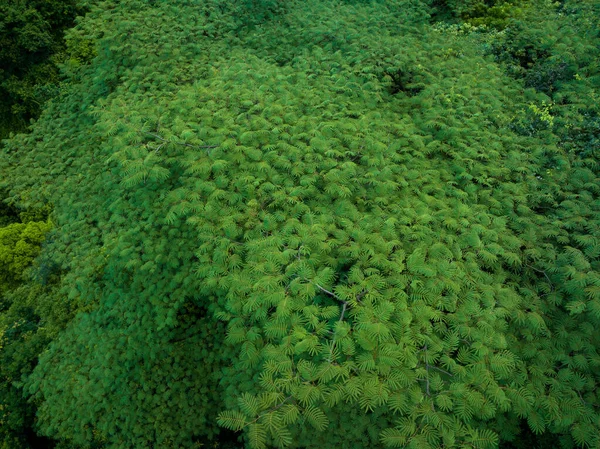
x=28 y=319
x=31 y=45
x=19 y=245
x=490 y=13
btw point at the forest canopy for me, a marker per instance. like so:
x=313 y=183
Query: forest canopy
x=303 y=224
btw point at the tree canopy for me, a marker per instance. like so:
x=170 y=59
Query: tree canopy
x=310 y=224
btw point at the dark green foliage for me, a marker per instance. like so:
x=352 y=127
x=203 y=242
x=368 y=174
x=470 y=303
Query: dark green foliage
x=29 y=319
x=318 y=224
x=31 y=44
x=8 y=213
x=557 y=54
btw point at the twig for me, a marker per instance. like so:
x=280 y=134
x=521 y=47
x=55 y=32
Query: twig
x=159 y=147
x=441 y=370
x=328 y=292
x=361 y=295
x=343 y=310
x=544 y=273
x=427 y=369
x=156 y=136
x=585 y=402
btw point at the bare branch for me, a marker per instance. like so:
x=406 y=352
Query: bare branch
x=361 y=295
x=343 y=311
x=165 y=141
x=329 y=293
x=441 y=370
x=545 y=275
x=427 y=369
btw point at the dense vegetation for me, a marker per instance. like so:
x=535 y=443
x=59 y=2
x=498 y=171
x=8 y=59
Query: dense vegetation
x=303 y=224
x=32 y=47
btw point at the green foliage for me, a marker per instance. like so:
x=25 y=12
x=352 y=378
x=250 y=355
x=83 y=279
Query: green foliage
x=317 y=224
x=28 y=320
x=31 y=44
x=8 y=213
x=19 y=245
x=488 y=13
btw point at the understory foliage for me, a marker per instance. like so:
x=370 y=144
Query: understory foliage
x=28 y=320
x=317 y=223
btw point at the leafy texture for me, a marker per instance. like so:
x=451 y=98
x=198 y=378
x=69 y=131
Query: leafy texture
x=316 y=223
x=31 y=48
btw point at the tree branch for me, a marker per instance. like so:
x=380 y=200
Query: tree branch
x=328 y=292
x=343 y=311
x=545 y=275
x=427 y=369
x=441 y=370
x=165 y=141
